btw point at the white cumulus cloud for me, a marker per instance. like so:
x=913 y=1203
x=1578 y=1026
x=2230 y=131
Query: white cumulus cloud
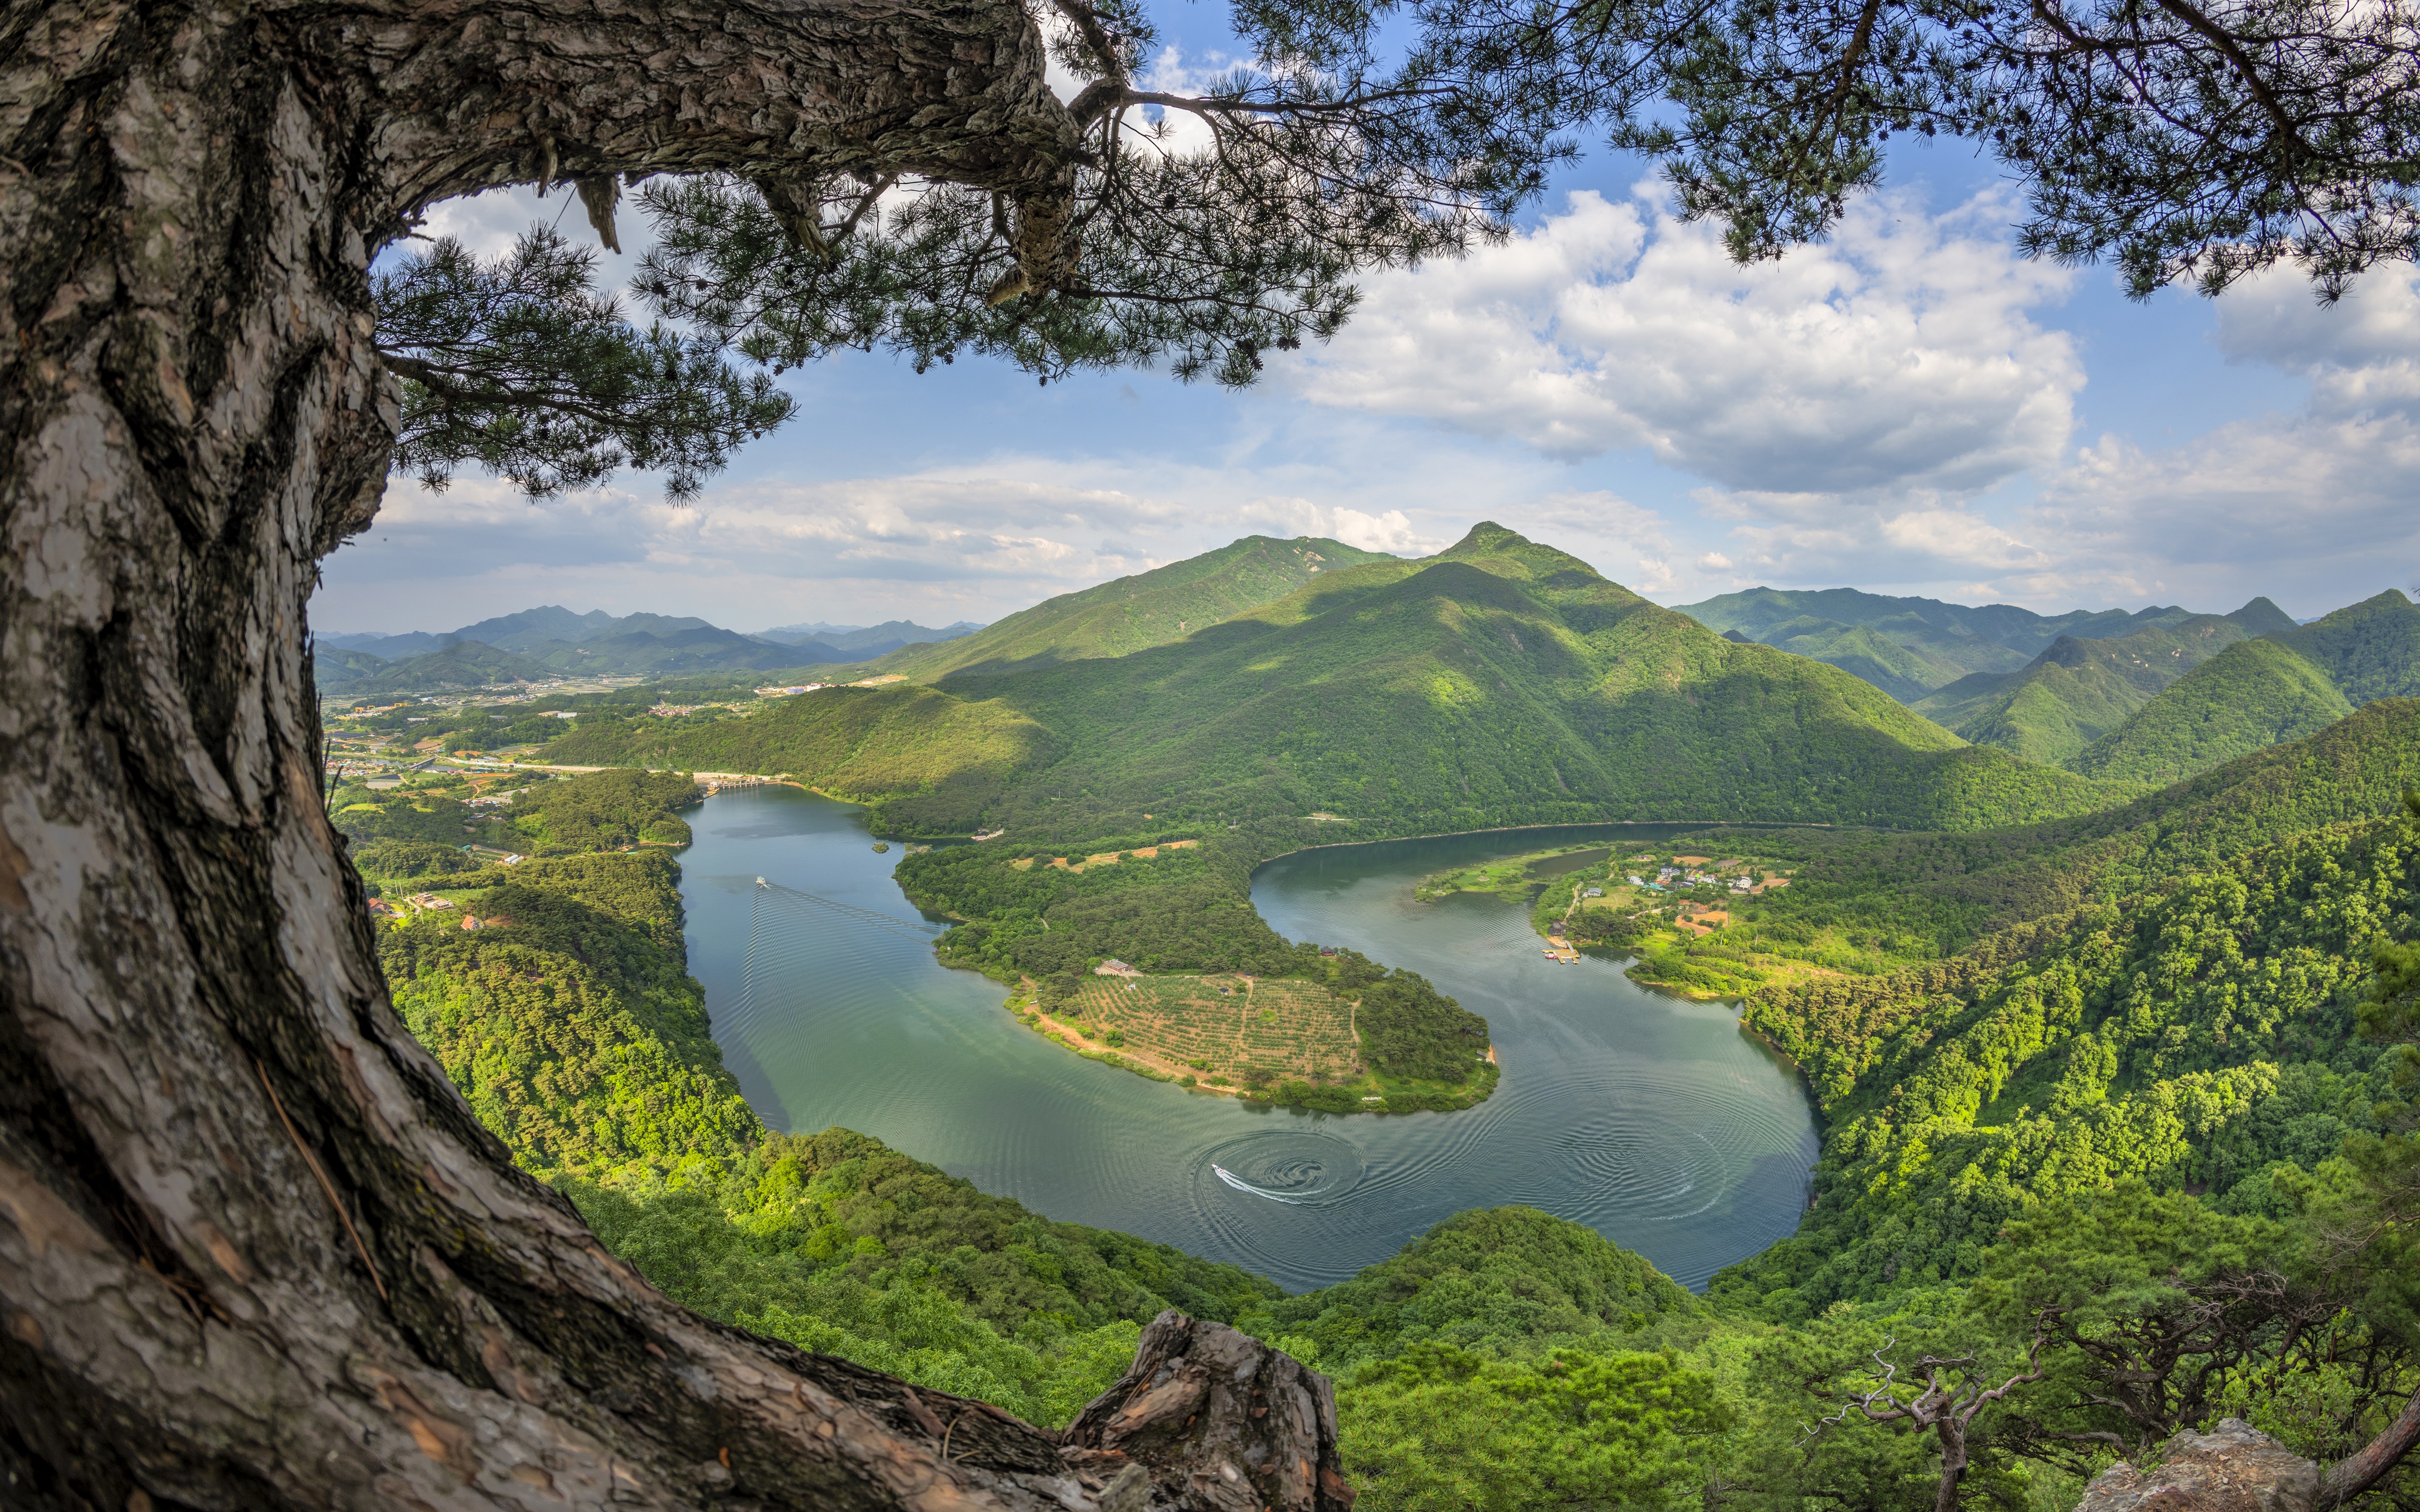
x=2317 y=505
x=1898 y=355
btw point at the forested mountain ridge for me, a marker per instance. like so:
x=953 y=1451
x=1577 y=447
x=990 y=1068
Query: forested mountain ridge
x=1910 y=647
x=2254 y=694
x=2201 y=1033
x=2351 y=771
x=949 y=755
x=2077 y=689
x=1497 y=682
x=1501 y=681
x=1130 y=613
x=2369 y=650
x=342 y=673
x=2285 y=686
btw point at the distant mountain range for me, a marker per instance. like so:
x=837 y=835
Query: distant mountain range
x=2147 y=697
x=552 y=642
x=1908 y=647
x=1414 y=689
x=2265 y=691
x=863 y=642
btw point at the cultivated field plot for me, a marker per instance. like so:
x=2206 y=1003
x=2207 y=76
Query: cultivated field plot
x=1294 y=1029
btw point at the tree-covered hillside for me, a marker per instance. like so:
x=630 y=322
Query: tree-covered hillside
x=604 y=810
x=2200 y=1035
x=1127 y=614
x=2252 y=695
x=923 y=750
x=2355 y=769
x=569 y=1017
x=1501 y=681
x=2369 y=650
x=2078 y=689
x=2287 y=683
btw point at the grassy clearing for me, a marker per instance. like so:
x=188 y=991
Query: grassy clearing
x=1225 y=1030
x=1077 y=864
x=1287 y=1043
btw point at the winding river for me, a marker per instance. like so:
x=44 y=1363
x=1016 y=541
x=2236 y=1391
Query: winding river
x=1652 y=1120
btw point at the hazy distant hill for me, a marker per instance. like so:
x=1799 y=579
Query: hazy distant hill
x=1909 y=647
x=852 y=643
x=1499 y=682
x=1129 y=614
x=460 y=664
x=2261 y=692
x=555 y=642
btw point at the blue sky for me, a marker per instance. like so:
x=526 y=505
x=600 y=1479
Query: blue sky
x=1908 y=407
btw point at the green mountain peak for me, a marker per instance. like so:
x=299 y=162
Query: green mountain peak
x=1508 y=553
x=1135 y=612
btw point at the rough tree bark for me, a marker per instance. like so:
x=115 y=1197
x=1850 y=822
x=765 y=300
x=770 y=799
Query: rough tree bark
x=254 y=1250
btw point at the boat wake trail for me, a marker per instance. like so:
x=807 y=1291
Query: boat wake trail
x=1241 y=1185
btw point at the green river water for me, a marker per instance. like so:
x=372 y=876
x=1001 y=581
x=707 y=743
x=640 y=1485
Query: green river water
x=1654 y=1120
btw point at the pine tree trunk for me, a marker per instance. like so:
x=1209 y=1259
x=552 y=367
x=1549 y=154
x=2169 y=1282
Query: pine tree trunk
x=254 y=1250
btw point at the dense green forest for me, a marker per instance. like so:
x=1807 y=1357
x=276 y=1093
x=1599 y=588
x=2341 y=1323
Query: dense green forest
x=604 y=810
x=911 y=747
x=2199 y=1036
x=2252 y=695
x=1184 y=910
x=1930 y=896
x=521 y=812
x=569 y=1020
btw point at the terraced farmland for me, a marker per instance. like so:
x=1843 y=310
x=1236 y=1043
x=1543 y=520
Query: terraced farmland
x=1227 y=1025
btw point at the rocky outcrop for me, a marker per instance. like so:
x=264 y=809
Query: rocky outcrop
x=1211 y=1420
x=2237 y=1469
